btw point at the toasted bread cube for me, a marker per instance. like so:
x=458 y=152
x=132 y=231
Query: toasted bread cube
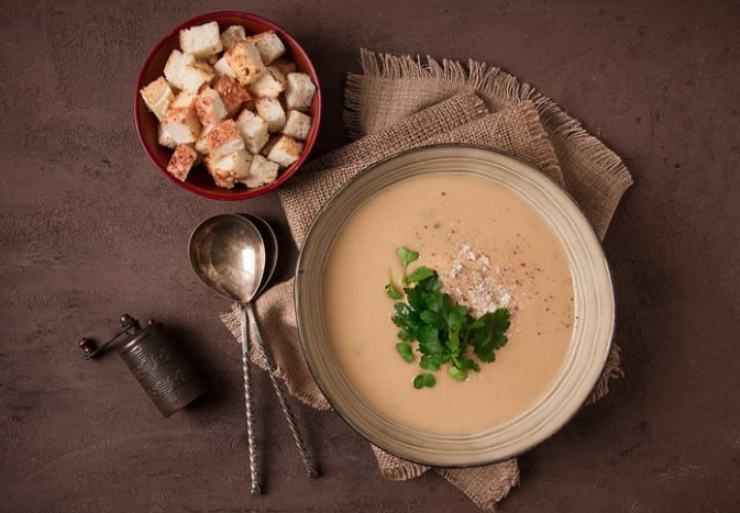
x=229 y=169
x=285 y=66
x=182 y=161
x=254 y=130
x=213 y=59
x=245 y=60
x=269 y=84
x=181 y=121
x=209 y=107
x=201 y=145
x=272 y=112
x=201 y=41
x=269 y=45
x=222 y=68
x=261 y=172
x=194 y=76
x=232 y=94
x=164 y=138
x=233 y=35
x=224 y=139
x=285 y=150
x=297 y=125
x=175 y=66
x=299 y=91
x=157 y=96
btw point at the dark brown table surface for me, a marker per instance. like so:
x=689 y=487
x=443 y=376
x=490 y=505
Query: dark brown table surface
x=90 y=230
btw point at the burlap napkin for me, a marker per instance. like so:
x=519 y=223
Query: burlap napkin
x=398 y=104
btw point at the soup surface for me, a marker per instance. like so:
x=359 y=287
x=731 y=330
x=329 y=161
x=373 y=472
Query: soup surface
x=491 y=250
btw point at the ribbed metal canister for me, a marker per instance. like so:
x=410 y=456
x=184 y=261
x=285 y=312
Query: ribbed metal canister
x=161 y=369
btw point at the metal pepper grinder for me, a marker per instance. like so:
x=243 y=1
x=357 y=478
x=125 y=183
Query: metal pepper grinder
x=155 y=361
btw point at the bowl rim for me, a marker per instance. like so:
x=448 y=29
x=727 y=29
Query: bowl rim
x=241 y=194
x=301 y=328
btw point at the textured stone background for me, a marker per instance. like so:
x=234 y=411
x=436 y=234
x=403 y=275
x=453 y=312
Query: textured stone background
x=89 y=229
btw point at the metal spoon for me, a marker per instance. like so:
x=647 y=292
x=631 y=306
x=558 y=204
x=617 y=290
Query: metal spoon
x=227 y=252
x=271 y=245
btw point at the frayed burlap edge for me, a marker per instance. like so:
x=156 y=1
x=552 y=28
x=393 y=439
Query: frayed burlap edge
x=494 y=84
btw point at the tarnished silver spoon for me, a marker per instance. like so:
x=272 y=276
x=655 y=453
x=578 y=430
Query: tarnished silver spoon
x=228 y=254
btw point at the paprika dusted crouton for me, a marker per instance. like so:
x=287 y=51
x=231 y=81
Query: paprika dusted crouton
x=224 y=139
x=232 y=94
x=182 y=161
x=209 y=107
x=229 y=169
x=181 y=122
x=245 y=60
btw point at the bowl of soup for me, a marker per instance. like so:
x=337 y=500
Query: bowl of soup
x=498 y=236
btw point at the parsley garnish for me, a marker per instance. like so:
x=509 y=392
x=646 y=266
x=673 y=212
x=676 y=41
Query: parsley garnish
x=442 y=331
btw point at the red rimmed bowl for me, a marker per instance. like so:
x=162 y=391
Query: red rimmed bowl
x=199 y=181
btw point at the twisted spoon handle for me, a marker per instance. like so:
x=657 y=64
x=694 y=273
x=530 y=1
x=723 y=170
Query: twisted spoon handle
x=253 y=470
x=297 y=437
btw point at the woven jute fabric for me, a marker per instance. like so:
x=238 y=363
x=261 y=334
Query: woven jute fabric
x=397 y=104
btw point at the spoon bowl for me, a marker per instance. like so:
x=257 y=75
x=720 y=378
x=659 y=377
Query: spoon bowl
x=227 y=252
x=271 y=249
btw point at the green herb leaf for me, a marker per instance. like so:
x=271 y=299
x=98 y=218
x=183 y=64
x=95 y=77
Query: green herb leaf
x=393 y=292
x=420 y=273
x=404 y=349
x=430 y=363
x=457 y=374
x=433 y=319
x=445 y=332
x=424 y=380
x=489 y=334
x=407 y=256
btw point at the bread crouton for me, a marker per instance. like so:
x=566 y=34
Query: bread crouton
x=222 y=68
x=201 y=145
x=232 y=94
x=269 y=84
x=232 y=35
x=261 y=172
x=299 y=91
x=182 y=161
x=297 y=125
x=209 y=107
x=224 y=139
x=284 y=150
x=195 y=75
x=175 y=66
x=201 y=41
x=157 y=96
x=253 y=129
x=285 y=66
x=164 y=138
x=272 y=112
x=269 y=45
x=229 y=169
x=245 y=60
x=181 y=121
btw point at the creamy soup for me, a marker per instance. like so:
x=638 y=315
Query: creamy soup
x=491 y=250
